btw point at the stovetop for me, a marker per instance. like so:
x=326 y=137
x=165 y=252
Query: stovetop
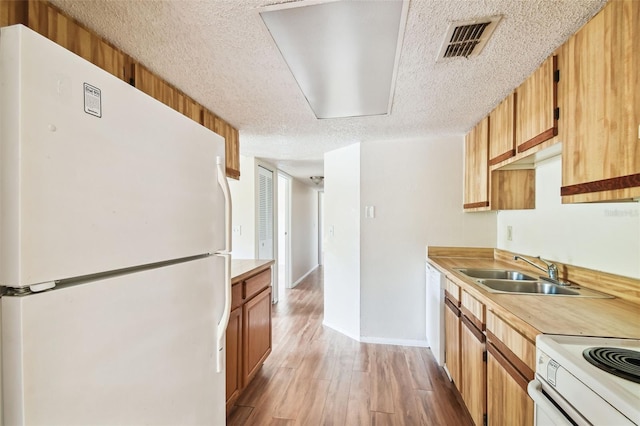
x=567 y=351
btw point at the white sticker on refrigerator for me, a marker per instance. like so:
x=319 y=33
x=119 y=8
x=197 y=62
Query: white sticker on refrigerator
x=92 y=100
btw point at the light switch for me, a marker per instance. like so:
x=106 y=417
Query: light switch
x=237 y=230
x=370 y=212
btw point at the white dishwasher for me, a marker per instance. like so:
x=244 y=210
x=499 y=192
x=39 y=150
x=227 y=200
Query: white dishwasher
x=435 y=312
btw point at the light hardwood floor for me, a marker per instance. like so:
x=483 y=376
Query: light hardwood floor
x=317 y=376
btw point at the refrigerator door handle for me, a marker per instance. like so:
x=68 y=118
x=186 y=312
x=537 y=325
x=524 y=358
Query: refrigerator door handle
x=226 y=254
x=224 y=184
x=221 y=331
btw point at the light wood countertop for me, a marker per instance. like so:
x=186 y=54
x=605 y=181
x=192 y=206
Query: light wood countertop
x=615 y=317
x=244 y=268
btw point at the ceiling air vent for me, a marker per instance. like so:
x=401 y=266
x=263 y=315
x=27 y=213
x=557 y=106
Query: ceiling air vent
x=467 y=38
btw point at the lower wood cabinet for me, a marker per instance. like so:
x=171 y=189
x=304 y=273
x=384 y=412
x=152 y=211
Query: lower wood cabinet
x=256 y=330
x=452 y=332
x=248 y=339
x=507 y=400
x=510 y=368
x=474 y=370
x=234 y=357
x=452 y=341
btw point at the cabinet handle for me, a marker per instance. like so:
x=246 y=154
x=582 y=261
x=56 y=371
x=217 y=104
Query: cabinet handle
x=515 y=374
x=473 y=329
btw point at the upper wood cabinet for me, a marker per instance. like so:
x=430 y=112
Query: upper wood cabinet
x=231 y=141
x=502 y=132
x=13 y=12
x=600 y=98
x=476 y=167
x=536 y=107
x=154 y=86
x=47 y=20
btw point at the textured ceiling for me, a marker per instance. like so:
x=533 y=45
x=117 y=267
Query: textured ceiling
x=220 y=53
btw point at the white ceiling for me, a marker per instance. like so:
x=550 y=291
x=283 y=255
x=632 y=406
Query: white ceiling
x=220 y=53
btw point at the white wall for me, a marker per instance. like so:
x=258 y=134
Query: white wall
x=604 y=237
x=416 y=189
x=342 y=240
x=375 y=267
x=243 y=197
x=304 y=230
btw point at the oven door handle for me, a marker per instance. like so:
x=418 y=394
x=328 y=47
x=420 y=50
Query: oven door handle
x=534 y=389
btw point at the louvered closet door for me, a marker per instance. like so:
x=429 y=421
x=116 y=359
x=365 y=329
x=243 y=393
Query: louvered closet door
x=265 y=213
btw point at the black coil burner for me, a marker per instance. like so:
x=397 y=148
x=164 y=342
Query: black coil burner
x=621 y=362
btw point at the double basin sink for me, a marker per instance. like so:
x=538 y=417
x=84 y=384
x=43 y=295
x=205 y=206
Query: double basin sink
x=508 y=281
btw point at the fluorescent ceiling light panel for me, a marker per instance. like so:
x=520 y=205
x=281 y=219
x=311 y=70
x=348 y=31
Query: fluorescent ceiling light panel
x=343 y=54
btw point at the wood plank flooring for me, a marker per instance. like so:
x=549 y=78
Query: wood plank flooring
x=317 y=376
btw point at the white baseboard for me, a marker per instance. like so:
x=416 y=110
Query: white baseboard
x=304 y=276
x=380 y=340
x=341 y=331
x=394 y=342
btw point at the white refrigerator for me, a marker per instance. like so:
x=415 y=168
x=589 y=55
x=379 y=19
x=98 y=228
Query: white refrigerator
x=114 y=248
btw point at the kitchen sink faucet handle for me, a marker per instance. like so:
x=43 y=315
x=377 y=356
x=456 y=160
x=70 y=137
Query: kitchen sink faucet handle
x=552 y=269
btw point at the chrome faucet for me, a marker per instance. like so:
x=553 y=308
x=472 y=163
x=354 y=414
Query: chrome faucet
x=552 y=269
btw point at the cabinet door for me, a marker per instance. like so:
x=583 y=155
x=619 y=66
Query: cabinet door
x=600 y=95
x=13 y=12
x=234 y=357
x=452 y=342
x=476 y=166
x=154 y=86
x=507 y=400
x=502 y=132
x=536 y=107
x=65 y=31
x=231 y=141
x=256 y=331
x=474 y=373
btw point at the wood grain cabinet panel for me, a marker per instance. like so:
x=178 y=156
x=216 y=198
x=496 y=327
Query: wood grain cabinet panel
x=536 y=104
x=502 y=132
x=231 y=140
x=256 y=323
x=234 y=357
x=47 y=20
x=507 y=401
x=476 y=167
x=249 y=338
x=452 y=342
x=13 y=12
x=474 y=371
x=510 y=367
x=599 y=92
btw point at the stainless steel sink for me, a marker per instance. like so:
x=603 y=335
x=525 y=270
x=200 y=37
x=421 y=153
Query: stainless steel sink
x=515 y=282
x=496 y=274
x=538 y=287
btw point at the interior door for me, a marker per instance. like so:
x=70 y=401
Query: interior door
x=265 y=213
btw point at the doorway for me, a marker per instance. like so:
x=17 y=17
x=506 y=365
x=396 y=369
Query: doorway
x=284 y=233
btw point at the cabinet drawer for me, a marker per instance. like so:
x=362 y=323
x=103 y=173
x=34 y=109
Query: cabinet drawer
x=236 y=295
x=474 y=309
x=253 y=285
x=518 y=349
x=453 y=290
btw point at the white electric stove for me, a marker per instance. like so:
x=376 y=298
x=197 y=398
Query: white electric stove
x=570 y=389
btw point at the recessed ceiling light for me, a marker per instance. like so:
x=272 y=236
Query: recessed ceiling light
x=343 y=54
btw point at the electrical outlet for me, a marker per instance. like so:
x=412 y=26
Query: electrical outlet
x=237 y=229
x=509 y=233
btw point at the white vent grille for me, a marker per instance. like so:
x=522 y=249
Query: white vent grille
x=467 y=38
